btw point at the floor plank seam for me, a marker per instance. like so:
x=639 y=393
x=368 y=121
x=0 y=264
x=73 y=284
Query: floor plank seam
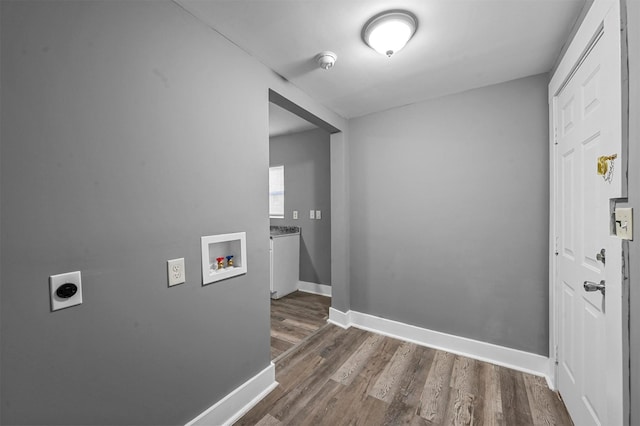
x=297 y=345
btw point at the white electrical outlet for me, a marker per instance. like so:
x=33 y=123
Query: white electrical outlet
x=312 y=214
x=65 y=290
x=175 y=271
x=295 y=214
x=318 y=214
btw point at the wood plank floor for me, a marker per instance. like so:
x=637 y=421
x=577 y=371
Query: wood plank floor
x=295 y=317
x=354 y=377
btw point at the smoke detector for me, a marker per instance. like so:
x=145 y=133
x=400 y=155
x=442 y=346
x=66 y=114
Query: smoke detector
x=326 y=59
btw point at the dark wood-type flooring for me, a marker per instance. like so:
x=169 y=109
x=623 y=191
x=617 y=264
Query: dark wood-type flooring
x=295 y=317
x=355 y=377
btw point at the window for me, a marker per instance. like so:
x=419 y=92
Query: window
x=276 y=192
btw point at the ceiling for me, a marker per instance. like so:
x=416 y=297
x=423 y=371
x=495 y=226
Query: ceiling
x=459 y=45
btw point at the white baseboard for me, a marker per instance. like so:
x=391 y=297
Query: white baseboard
x=551 y=376
x=240 y=401
x=507 y=357
x=339 y=318
x=321 y=289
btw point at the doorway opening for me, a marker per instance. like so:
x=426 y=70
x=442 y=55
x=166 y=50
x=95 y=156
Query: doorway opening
x=300 y=224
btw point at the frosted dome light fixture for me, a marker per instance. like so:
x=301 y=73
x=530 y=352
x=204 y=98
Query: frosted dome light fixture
x=389 y=31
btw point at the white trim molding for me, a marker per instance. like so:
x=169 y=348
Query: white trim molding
x=237 y=403
x=339 y=318
x=321 y=289
x=507 y=357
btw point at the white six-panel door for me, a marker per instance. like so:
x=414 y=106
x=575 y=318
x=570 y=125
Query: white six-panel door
x=583 y=231
x=586 y=120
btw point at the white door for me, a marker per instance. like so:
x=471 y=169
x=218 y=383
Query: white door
x=589 y=332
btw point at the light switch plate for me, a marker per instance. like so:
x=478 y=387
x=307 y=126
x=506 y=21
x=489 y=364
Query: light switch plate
x=318 y=214
x=56 y=281
x=624 y=223
x=312 y=214
x=175 y=271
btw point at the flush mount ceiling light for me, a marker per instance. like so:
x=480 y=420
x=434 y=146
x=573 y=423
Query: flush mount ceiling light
x=389 y=31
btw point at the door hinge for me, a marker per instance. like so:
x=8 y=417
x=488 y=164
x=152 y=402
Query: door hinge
x=555 y=136
x=556 y=356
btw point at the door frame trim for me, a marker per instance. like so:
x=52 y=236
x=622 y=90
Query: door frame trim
x=602 y=16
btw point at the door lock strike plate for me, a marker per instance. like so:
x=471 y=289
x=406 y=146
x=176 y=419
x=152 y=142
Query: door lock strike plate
x=624 y=223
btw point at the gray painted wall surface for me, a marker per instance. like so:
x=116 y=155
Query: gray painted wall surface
x=307 y=175
x=340 y=223
x=633 y=27
x=449 y=214
x=125 y=139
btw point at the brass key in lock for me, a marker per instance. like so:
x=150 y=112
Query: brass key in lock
x=603 y=165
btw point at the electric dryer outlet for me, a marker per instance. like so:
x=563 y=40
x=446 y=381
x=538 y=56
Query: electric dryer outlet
x=65 y=290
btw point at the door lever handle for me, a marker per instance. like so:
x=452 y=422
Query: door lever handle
x=591 y=286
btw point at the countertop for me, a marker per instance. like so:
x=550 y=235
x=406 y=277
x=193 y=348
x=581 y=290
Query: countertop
x=283 y=231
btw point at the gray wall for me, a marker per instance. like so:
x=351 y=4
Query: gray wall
x=449 y=214
x=307 y=175
x=125 y=139
x=633 y=27
x=340 y=223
